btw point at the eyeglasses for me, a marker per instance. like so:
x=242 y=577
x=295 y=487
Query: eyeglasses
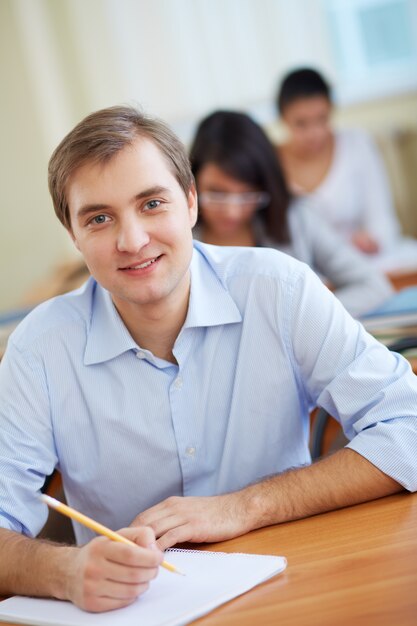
x=220 y=199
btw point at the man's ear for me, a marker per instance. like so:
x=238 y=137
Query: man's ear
x=193 y=205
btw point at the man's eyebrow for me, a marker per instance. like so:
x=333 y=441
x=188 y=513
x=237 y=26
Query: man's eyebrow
x=87 y=209
x=91 y=208
x=152 y=191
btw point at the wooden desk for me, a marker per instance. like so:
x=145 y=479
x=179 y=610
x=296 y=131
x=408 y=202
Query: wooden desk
x=356 y=566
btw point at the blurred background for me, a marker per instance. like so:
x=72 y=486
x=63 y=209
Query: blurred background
x=179 y=60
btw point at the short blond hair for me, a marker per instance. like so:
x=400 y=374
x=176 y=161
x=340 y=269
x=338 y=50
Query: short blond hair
x=100 y=136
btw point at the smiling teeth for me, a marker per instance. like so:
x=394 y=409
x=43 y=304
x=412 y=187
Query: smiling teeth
x=143 y=265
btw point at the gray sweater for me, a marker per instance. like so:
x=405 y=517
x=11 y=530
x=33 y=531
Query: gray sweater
x=359 y=286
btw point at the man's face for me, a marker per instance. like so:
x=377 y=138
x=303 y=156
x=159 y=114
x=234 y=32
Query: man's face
x=132 y=223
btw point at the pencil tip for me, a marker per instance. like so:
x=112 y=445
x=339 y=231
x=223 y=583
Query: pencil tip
x=177 y=571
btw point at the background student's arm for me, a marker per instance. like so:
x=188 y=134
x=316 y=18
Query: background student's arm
x=380 y=221
x=100 y=576
x=357 y=284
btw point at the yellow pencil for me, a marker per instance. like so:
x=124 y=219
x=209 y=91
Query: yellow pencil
x=96 y=526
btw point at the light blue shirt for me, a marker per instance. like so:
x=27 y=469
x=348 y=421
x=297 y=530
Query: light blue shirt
x=263 y=342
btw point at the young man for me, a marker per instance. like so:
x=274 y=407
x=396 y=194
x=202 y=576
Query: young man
x=173 y=390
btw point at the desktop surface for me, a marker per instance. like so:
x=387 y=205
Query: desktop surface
x=356 y=566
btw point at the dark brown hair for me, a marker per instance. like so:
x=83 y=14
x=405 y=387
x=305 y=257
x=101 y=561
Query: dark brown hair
x=100 y=136
x=302 y=83
x=238 y=146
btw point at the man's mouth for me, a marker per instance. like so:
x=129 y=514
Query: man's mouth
x=141 y=266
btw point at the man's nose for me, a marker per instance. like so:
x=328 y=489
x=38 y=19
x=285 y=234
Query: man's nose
x=132 y=236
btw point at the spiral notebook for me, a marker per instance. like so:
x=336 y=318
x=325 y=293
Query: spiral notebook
x=211 y=578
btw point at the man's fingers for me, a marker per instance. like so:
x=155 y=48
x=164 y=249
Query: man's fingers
x=121 y=591
x=163 y=525
x=163 y=509
x=144 y=554
x=141 y=535
x=97 y=604
x=113 y=596
x=133 y=556
x=150 y=515
x=180 y=534
x=128 y=574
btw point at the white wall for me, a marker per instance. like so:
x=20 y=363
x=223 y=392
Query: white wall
x=179 y=59
x=30 y=239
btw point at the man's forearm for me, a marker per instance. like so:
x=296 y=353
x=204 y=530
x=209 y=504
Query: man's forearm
x=342 y=479
x=32 y=567
x=100 y=576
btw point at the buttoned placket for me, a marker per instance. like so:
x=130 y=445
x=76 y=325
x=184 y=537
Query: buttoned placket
x=183 y=422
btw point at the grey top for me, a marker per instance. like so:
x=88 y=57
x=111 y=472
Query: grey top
x=359 y=286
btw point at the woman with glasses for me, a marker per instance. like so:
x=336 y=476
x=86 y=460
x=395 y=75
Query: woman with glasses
x=244 y=201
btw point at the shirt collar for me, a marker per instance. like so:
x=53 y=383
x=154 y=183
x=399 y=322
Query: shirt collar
x=210 y=302
x=107 y=336
x=210 y=305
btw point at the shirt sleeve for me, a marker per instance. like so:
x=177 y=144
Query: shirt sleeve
x=27 y=449
x=371 y=391
x=378 y=211
x=357 y=284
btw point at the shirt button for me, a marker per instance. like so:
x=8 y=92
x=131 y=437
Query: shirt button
x=190 y=451
x=140 y=354
x=178 y=382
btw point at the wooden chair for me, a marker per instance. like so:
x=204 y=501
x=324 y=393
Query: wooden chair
x=58 y=527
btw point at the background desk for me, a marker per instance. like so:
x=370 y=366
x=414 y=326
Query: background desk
x=356 y=566
x=401 y=280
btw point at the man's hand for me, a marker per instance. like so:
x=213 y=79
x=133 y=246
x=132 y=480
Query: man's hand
x=105 y=574
x=205 y=519
x=342 y=479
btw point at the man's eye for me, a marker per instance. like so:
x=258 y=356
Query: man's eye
x=99 y=219
x=152 y=204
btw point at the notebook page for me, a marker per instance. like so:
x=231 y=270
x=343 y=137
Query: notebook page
x=212 y=578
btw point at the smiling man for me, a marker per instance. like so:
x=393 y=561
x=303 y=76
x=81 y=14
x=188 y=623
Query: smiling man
x=173 y=389
x=136 y=239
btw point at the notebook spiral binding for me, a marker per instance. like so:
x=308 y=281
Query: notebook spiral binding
x=211 y=552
